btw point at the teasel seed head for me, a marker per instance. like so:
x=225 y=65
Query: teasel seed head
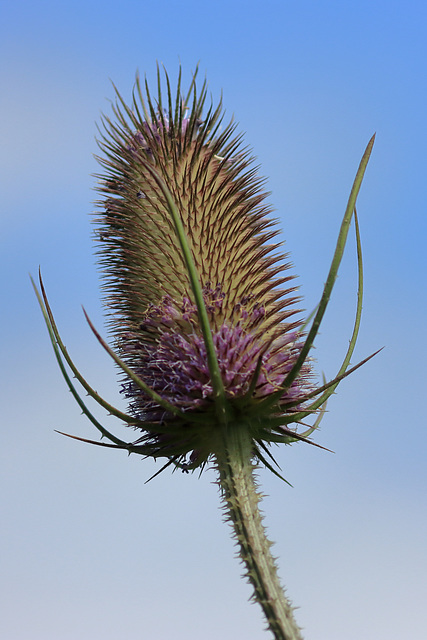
x=201 y=304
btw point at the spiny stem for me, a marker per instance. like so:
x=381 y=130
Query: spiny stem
x=241 y=504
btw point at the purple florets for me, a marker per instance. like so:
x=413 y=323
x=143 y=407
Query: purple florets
x=152 y=132
x=175 y=362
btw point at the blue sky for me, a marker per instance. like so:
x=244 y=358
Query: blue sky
x=90 y=550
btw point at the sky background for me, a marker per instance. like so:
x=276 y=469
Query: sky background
x=88 y=550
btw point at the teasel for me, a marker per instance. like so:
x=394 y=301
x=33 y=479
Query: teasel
x=215 y=358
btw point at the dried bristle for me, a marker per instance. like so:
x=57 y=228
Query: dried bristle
x=214 y=185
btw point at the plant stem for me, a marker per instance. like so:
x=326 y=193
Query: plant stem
x=241 y=505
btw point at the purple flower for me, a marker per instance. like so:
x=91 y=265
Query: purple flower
x=175 y=365
x=201 y=304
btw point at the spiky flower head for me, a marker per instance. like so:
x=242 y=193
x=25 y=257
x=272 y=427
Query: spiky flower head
x=246 y=287
x=201 y=303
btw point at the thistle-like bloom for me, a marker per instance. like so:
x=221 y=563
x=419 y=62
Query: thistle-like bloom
x=244 y=282
x=214 y=356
